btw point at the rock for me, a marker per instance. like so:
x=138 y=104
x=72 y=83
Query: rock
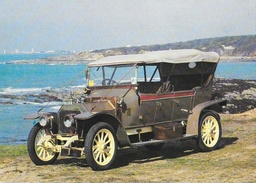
x=91 y=56
x=6 y=103
x=38 y=101
x=251 y=107
x=239 y=93
x=233 y=95
x=249 y=94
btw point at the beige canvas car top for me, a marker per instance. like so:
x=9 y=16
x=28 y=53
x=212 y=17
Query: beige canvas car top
x=167 y=56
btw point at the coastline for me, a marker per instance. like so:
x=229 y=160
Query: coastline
x=84 y=58
x=237 y=59
x=240 y=95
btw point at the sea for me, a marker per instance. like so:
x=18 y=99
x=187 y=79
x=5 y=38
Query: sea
x=25 y=79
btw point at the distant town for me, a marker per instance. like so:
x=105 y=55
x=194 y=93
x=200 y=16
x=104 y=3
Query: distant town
x=32 y=51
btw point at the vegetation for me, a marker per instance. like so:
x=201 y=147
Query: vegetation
x=12 y=150
x=231 y=46
x=178 y=161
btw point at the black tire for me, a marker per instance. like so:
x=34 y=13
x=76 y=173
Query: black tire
x=209 y=132
x=100 y=146
x=40 y=155
x=154 y=147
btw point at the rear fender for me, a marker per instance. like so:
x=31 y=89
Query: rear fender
x=89 y=119
x=194 y=118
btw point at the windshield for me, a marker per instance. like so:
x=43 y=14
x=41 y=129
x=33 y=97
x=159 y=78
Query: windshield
x=124 y=74
x=111 y=75
x=184 y=76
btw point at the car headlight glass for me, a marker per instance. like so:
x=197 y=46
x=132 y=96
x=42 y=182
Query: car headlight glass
x=43 y=120
x=68 y=121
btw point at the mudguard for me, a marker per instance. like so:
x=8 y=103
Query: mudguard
x=194 y=117
x=32 y=116
x=121 y=134
x=85 y=115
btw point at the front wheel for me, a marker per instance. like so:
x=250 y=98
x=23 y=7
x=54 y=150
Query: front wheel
x=100 y=146
x=40 y=155
x=209 y=133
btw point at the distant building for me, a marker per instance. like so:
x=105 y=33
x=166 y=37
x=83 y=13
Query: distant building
x=228 y=47
x=50 y=51
x=228 y=50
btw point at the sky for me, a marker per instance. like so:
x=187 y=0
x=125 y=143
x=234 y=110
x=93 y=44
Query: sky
x=84 y=25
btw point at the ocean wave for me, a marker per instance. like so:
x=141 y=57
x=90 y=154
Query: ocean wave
x=15 y=62
x=70 y=64
x=16 y=91
x=78 y=86
x=37 y=96
x=54 y=103
x=9 y=101
x=22 y=91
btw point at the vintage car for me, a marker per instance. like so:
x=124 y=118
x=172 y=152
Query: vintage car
x=133 y=100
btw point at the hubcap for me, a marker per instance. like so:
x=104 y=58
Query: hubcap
x=103 y=147
x=43 y=151
x=210 y=131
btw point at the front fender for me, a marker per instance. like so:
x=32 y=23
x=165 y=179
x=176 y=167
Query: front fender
x=32 y=116
x=194 y=117
x=110 y=119
x=85 y=115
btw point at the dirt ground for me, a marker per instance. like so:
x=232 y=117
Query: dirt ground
x=180 y=161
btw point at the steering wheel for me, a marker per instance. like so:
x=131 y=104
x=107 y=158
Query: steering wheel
x=108 y=82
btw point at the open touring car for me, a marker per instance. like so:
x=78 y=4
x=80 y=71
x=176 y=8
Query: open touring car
x=133 y=100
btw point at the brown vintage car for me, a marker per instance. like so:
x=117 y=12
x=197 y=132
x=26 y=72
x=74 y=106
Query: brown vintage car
x=133 y=100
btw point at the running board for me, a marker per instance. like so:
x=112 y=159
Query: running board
x=137 y=144
x=185 y=137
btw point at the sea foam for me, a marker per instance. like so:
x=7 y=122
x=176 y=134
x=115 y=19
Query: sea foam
x=18 y=91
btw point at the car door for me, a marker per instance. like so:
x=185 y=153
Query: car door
x=182 y=105
x=156 y=108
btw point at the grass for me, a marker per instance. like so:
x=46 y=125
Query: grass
x=179 y=161
x=8 y=151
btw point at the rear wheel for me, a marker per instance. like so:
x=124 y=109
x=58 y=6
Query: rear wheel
x=100 y=146
x=209 y=133
x=40 y=155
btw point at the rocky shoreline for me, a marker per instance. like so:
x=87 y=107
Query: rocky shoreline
x=79 y=58
x=240 y=94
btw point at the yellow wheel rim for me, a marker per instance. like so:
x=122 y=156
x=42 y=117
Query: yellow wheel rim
x=103 y=147
x=43 y=152
x=210 y=131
